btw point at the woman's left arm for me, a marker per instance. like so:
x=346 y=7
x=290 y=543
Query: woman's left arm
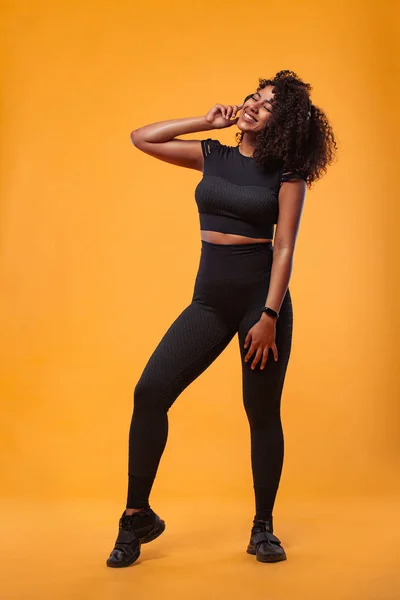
x=261 y=336
x=291 y=202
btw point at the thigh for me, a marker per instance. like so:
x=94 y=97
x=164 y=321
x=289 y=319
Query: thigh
x=191 y=343
x=262 y=388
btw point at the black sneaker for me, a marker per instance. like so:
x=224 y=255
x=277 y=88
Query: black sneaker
x=134 y=530
x=264 y=544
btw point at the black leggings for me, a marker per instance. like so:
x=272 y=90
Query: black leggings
x=230 y=289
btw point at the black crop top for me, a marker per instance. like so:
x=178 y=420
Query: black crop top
x=235 y=195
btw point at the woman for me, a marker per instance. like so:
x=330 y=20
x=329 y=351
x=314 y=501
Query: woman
x=284 y=144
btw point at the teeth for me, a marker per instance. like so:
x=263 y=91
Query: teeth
x=249 y=118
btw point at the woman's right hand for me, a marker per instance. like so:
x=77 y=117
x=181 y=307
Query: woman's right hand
x=223 y=115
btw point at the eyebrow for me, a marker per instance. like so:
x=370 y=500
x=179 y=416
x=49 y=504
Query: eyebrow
x=269 y=101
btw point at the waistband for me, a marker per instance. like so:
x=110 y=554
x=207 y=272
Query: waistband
x=235 y=260
x=247 y=248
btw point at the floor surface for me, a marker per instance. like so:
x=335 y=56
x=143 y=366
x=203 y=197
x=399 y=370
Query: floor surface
x=341 y=549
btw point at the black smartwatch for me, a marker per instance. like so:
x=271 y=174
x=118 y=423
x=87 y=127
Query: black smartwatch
x=270 y=311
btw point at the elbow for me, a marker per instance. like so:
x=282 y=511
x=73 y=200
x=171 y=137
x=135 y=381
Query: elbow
x=133 y=137
x=284 y=248
x=136 y=138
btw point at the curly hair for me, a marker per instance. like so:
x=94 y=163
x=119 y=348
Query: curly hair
x=298 y=134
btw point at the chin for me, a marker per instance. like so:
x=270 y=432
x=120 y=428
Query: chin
x=243 y=126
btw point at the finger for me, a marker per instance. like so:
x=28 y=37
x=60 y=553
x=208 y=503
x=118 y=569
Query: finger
x=264 y=358
x=275 y=351
x=221 y=109
x=256 y=358
x=250 y=352
x=228 y=111
x=247 y=340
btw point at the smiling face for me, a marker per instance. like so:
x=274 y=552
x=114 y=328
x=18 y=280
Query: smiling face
x=256 y=111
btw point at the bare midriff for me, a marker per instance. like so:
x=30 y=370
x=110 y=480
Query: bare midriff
x=216 y=237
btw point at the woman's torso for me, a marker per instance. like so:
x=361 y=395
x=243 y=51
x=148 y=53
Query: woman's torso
x=237 y=200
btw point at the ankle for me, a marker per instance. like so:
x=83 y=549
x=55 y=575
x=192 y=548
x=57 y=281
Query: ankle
x=131 y=511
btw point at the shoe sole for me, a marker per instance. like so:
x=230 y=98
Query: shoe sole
x=271 y=558
x=154 y=533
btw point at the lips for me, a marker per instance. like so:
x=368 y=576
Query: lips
x=253 y=119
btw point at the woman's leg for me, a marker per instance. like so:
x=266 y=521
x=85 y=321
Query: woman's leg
x=262 y=390
x=189 y=346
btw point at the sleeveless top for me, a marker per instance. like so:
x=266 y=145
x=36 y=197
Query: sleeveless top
x=236 y=196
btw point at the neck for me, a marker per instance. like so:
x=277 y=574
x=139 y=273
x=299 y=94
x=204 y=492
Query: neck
x=247 y=144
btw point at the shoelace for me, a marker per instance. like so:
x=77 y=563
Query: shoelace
x=261 y=526
x=127 y=520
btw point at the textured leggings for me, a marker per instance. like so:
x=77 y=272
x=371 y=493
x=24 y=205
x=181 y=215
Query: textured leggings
x=230 y=289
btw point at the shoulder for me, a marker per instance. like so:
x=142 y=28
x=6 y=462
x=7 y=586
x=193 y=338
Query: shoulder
x=212 y=146
x=290 y=174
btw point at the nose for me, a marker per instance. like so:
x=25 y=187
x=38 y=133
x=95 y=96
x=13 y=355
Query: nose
x=250 y=105
x=253 y=106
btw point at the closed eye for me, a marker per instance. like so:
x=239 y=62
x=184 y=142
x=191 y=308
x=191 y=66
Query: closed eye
x=265 y=106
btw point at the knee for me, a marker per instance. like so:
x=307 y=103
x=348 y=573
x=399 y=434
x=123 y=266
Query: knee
x=148 y=396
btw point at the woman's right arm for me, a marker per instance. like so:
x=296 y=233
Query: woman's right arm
x=159 y=139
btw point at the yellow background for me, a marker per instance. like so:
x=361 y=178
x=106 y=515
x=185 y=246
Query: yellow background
x=99 y=250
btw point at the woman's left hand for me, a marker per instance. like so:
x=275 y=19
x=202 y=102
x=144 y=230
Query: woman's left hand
x=261 y=338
